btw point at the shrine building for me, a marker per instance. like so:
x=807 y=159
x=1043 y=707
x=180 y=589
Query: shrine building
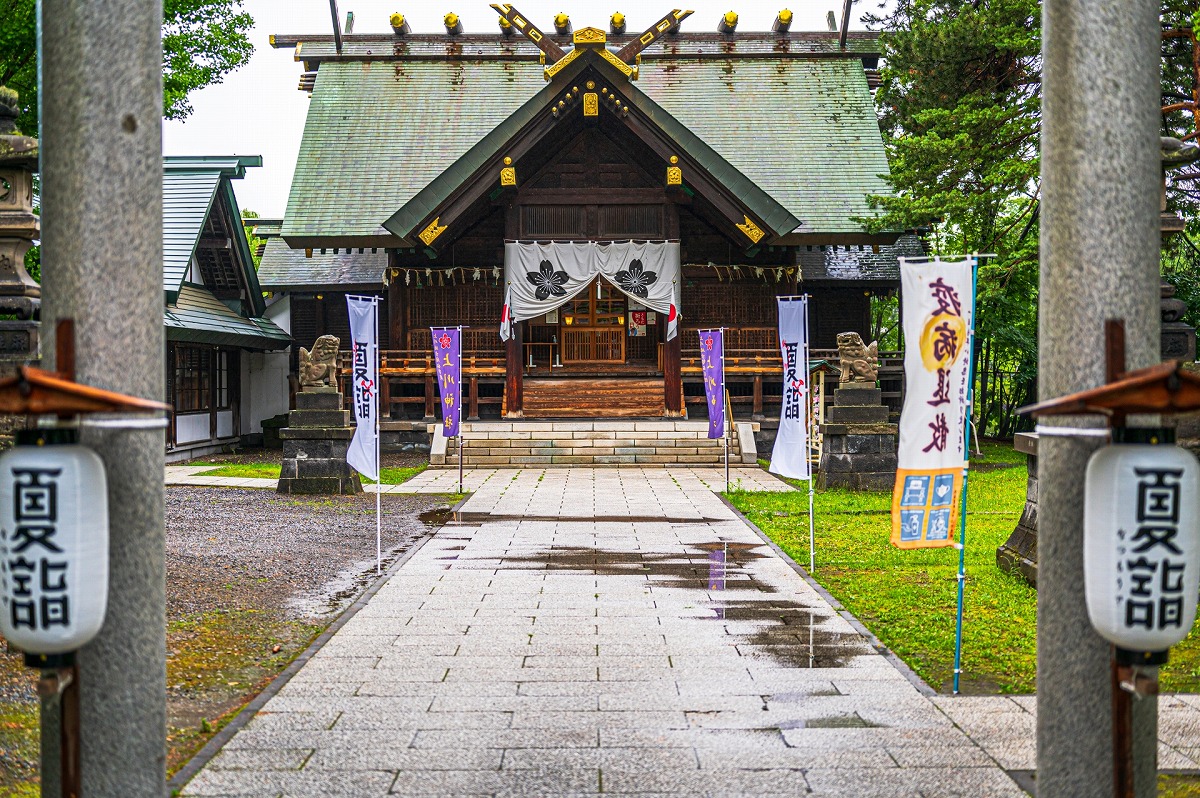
x=618 y=190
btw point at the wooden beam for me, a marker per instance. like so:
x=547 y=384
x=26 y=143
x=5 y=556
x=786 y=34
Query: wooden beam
x=514 y=372
x=530 y=31
x=652 y=34
x=214 y=242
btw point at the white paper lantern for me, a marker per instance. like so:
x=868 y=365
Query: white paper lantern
x=1141 y=545
x=53 y=544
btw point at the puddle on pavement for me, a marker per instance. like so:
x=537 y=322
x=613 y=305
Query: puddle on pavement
x=851 y=721
x=768 y=626
x=444 y=516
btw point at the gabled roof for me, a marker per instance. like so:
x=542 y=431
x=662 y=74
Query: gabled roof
x=412 y=216
x=199 y=317
x=191 y=184
x=792 y=113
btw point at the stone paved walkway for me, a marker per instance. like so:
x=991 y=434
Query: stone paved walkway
x=597 y=631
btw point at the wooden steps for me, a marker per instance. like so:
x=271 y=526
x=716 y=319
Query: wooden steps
x=594 y=398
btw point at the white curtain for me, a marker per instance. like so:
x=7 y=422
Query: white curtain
x=540 y=278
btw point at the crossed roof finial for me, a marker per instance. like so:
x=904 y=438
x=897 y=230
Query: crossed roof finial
x=555 y=54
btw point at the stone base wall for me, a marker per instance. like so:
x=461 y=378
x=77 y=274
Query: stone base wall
x=314 y=447
x=591 y=443
x=859 y=450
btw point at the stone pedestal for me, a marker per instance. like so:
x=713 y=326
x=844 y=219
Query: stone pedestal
x=860 y=445
x=1019 y=552
x=314 y=446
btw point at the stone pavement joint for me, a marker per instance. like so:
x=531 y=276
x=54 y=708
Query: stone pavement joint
x=530 y=647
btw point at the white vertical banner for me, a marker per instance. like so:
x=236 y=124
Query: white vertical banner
x=937 y=307
x=790 y=456
x=363 y=454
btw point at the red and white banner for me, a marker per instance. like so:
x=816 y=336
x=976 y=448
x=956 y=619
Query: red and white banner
x=790 y=456
x=363 y=454
x=937 y=307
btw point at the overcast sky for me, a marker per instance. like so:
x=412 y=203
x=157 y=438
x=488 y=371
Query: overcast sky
x=259 y=111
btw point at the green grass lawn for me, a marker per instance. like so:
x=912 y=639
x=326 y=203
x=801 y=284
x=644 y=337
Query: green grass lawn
x=907 y=598
x=390 y=476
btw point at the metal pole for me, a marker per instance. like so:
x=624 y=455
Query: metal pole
x=812 y=527
x=101 y=254
x=1101 y=186
x=962 y=510
x=460 y=418
x=378 y=457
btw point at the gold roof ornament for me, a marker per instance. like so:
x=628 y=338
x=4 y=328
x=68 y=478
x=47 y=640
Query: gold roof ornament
x=752 y=231
x=589 y=37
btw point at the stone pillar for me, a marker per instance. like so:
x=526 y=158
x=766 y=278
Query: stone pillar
x=101 y=144
x=1019 y=552
x=859 y=450
x=315 y=442
x=1099 y=260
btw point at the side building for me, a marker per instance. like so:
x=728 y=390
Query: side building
x=434 y=169
x=226 y=368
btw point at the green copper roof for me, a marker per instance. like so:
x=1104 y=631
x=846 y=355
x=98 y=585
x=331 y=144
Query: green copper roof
x=199 y=317
x=776 y=217
x=803 y=129
x=378 y=132
x=283 y=268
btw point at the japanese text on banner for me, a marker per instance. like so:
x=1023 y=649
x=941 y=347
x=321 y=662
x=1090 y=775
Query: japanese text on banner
x=790 y=455
x=937 y=310
x=364 y=380
x=712 y=361
x=447 y=353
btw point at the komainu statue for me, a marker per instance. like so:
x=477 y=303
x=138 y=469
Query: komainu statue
x=858 y=362
x=318 y=368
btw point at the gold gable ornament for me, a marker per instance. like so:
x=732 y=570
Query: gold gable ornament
x=674 y=172
x=591 y=104
x=589 y=37
x=430 y=233
x=752 y=231
x=508 y=173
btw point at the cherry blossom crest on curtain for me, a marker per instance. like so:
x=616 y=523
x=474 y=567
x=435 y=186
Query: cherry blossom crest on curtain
x=540 y=278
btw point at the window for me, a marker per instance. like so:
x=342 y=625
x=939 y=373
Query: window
x=193 y=379
x=223 y=402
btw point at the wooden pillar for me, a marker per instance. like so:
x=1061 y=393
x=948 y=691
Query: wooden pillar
x=757 y=411
x=514 y=372
x=672 y=379
x=397 y=308
x=473 y=399
x=430 y=398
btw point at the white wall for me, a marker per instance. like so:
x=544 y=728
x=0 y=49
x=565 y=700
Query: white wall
x=265 y=375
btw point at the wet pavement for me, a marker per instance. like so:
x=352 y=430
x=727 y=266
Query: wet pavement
x=597 y=631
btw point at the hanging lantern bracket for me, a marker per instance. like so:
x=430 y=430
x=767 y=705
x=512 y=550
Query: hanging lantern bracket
x=37 y=392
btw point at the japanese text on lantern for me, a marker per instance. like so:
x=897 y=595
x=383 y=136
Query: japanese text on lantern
x=362 y=376
x=34 y=565
x=1151 y=566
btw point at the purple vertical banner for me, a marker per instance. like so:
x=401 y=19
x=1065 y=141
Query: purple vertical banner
x=447 y=354
x=712 y=362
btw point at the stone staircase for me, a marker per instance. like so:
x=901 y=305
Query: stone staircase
x=598 y=442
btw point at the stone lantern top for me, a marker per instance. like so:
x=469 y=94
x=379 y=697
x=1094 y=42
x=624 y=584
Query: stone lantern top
x=16 y=151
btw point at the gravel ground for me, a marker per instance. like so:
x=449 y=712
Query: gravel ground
x=252 y=577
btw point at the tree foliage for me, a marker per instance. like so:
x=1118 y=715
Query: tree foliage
x=960 y=108
x=203 y=40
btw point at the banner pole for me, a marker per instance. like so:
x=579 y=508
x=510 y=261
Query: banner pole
x=962 y=512
x=460 y=435
x=378 y=468
x=808 y=436
x=727 y=411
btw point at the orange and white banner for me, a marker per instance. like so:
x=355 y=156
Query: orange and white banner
x=938 y=306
